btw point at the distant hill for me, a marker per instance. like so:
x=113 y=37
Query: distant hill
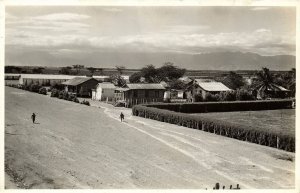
x=243 y=61
x=208 y=61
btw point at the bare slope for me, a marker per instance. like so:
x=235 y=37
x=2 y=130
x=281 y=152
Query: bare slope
x=75 y=146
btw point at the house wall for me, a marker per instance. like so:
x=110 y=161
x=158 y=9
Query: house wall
x=103 y=94
x=42 y=82
x=85 y=89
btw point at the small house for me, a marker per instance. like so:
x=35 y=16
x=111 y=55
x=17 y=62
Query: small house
x=82 y=86
x=211 y=87
x=104 y=92
x=140 y=93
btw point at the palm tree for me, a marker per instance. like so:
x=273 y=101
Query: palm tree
x=265 y=84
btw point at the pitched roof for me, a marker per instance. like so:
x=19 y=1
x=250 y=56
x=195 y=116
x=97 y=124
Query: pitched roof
x=146 y=86
x=106 y=85
x=48 y=76
x=213 y=86
x=77 y=81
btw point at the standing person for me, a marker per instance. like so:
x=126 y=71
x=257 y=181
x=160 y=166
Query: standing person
x=122 y=116
x=33 y=117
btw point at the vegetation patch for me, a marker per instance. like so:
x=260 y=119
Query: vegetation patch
x=205 y=107
x=277 y=139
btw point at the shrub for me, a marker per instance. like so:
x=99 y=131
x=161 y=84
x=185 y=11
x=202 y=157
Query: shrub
x=43 y=91
x=84 y=102
x=246 y=133
x=65 y=95
x=54 y=93
x=203 y=107
x=75 y=100
x=211 y=97
x=61 y=94
x=198 y=98
x=71 y=97
x=228 y=96
x=34 y=88
x=244 y=95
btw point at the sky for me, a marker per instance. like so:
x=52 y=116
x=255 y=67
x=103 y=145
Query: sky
x=104 y=36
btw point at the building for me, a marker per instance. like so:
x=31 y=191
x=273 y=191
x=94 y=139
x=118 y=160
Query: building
x=82 y=86
x=140 y=93
x=205 y=87
x=104 y=91
x=43 y=79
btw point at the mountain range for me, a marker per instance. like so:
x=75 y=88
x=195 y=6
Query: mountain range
x=206 y=61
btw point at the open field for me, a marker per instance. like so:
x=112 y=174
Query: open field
x=282 y=120
x=76 y=146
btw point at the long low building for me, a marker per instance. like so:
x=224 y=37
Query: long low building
x=44 y=79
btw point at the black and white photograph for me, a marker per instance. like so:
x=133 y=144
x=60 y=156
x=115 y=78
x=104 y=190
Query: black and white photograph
x=150 y=97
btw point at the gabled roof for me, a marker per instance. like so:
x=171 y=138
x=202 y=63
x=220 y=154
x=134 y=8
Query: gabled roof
x=49 y=76
x=213 y=86
x=106 y=85
x=77 y=81
x=146 y=86
x=204 y=80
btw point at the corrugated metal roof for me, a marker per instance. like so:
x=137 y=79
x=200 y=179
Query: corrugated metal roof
x=106 y=85
x=204 y=80
x=122 y=89
x=213 y=86
x=48 y=76
x=146 y=86
x=77 y=80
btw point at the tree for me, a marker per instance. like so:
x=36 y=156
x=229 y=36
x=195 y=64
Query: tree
x=263 y=82
x=150 y=74
x=177 y=84
x=65 y=70
x=135 y=77
x=169 y=72
x=78 y=68
x=120 y=69
x=117 y=80
x=38 y=70
x=100 y=70
x=233 y=81
x=92 y=70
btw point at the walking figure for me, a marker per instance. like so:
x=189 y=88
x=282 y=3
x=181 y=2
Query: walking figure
x=122 y=116
x=33 y=117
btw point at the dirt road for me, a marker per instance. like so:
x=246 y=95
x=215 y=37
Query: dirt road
x=76 y=146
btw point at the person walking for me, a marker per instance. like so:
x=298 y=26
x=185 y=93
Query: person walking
x=33 y=117
x=122 y=117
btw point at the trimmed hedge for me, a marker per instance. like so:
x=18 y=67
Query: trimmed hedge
x=204 y=107
x=241 y=132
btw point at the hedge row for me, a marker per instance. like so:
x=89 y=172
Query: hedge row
x=64 y=95
x=241 y=132
x=204 y=107
x=32 y=88
x=61 y=94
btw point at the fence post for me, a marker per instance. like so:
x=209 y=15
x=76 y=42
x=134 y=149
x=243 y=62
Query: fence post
x=278 y=142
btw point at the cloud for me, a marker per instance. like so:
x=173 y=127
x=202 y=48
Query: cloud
x=259 y=8
x=185 y=28
x=62 y=17
x=47 y=24
x=178 y=38
x=115 y=10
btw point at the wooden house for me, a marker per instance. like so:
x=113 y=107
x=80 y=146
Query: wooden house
x=82 y=86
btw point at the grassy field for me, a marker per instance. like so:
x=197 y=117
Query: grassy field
x=278 y=120
x=77 y=146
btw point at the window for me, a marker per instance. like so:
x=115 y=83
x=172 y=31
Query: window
x=135 y=93
x=146 y=93
x=156 y=94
